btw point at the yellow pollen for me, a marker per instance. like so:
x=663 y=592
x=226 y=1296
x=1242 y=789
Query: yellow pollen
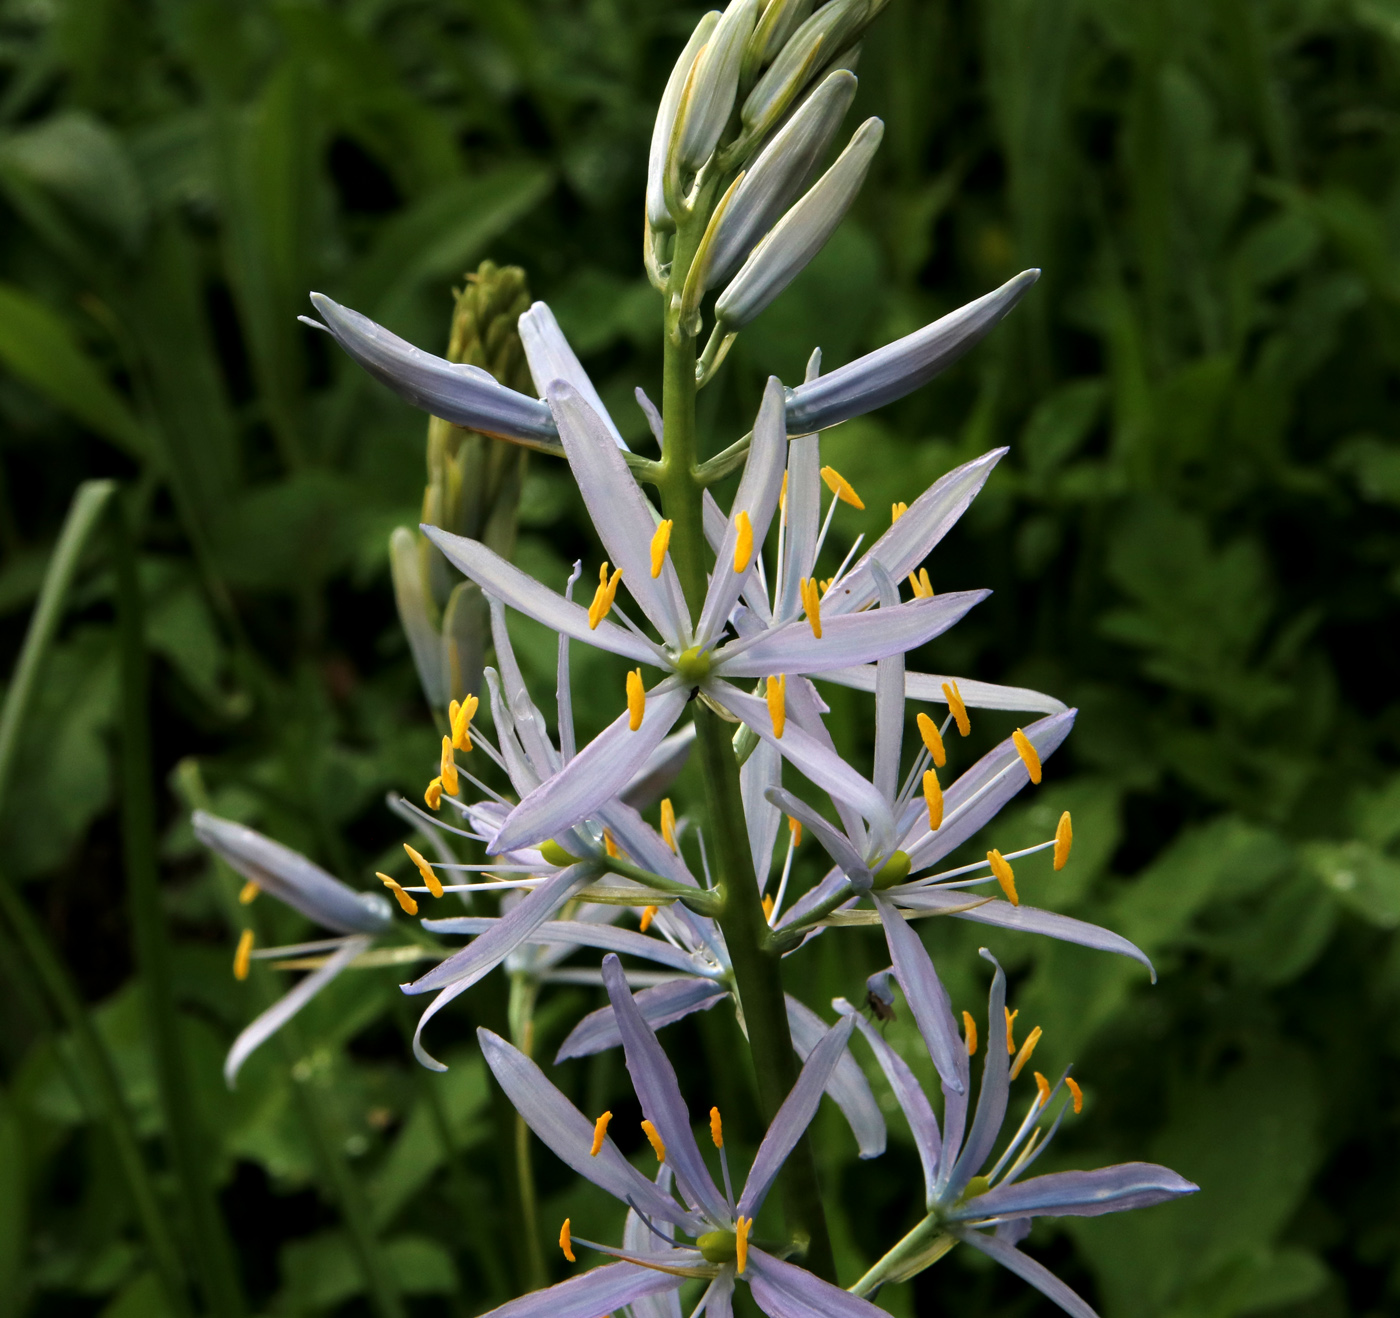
x=1024 y=1055
x=743 y=541
x=410 y=907
x=812 y=603
x=957 y=708
x=933 y=796
x=826 y=585
x=243 y=955
x=1027 y=753
x=897 y=510
x=777 y=704
x=566 y=1243
x=933 y=740
x=716 y=1128
x=795 y=828
x=600 y=1128
x=1004 y=876
x=248 y=893
x=426 y=870
x=1011 y=1029
x=660 y=542
x=1076 y=1093
x=1042 y=1084
x=668 y=824
x=636 y=699
x=742 y=1227
x=648 y=915
x=447 y=769
x=782 y=499
x=768 y=908
x=970 y=1031
x=657 y=1143
x=604 y=596
x=841 y=487
x=610 y=844
x=433 y=796
x=921 y=585
x=462 y=721
x=1064 y=839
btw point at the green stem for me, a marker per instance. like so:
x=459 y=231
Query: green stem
x=523 y=992
x=921 y=1248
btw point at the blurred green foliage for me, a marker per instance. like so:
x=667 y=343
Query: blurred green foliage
x=1194 y=539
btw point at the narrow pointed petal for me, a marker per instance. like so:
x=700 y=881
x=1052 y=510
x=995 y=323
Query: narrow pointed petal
x=927 y=998
x=660 y=1095
x=291 y=878
x=928 y=687
x=757 y=496
x=524 y=594
x=1003 y=915
x=719 y=1299
x=602 y=1290
x=551 y=358
x=900 y=367
x=569 y=1134
x=814 y=897
x=784 y=1291
x=576 y=933
x=762 y=771
x=641 y=1239
x=835 y=843
x=619 y=511
x=529 y=722
x=662 y=1005
x=464 y=395
x=1025 y=1267
x=889 y=699
x=650 y=782
x=803 y=512
x=595 y=775
x=1078 y=1194
x=524 y=777
x=848 y=640
x=263 y=1027
x=795 y=1115
x=991 y=1097
x=847 y=1086
x=657 y=214
x=643 y=843
x=807 y=710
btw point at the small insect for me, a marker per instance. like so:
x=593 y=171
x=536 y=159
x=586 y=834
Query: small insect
x=879 y=1009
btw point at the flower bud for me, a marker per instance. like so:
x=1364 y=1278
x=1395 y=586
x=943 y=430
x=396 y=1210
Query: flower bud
x=714 y=83
x=551 y=358
x=658 y=214
x=418 y=614
x=801 y=233
x=781 y=18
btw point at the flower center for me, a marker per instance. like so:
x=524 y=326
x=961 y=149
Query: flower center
x=718 y=1246
x=694 y=664
x=894 y=870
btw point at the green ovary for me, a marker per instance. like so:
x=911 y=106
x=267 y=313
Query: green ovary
x=718 y=1246
x=694 y=664
x=894 y=870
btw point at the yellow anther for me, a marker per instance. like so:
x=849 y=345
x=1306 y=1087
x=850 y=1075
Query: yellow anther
x=782 y=499
x=1076 y=1093
x=636 y=699
x=433 y=796
x=933 y=740
x=1024 y=1055
x=795 y=828
x=777 y=704
x=742 y=1227
x=768 y=908
x=248 y=893
x=841 y=487
x=648 y=915
x=716 y=1128
x=410 y=907
x=1011 y=1029
x=600 y=1128
x=244 y=955
x=604 y=596
x=660 y=542
x=566 y=1242
x=970 y=1033
x=812 y=603
x=921 y=585
x=897 y=510
x=610 y=844
x=826 y=585
x=657 y=1143
x=956 y=708
x=668 y=824
x=447 y=769
x=743 y=541
x=933 y=797
x=1004 y=876
x=1064 y=839
x=1042 y=1084
x=462 y=716
x=1027 y=753
x=426 y=870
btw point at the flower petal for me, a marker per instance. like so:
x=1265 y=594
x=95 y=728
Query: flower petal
x=1078 y=1194
x=889 y=699
x=835 y=843
x=929 y=687
x=761 y=772
x=577 y=933
x=991 y=1097
x=782 y=1290
x=659 y=1006
x=650 y=782
x=1025 y=1267
x=529 y=722
x=641 y=1238
x=847 y=1087
x=803 y=513
x=551 y=358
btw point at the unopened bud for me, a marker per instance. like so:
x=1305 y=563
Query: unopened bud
x=713 y=86
x=657 y=211
x=781 y=18
x=810 y=49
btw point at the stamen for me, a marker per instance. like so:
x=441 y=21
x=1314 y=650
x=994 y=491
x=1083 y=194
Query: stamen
x=1042 y=1084
x=777 y=703
x=741 y=1244
x=1024 y=1055
x=933 y=742
x=1064 y=839
x=433 y=796
x=956 y=708
x=1004 y=876
x=243 y=955
x=565 y=1243
x=795 y=828
x=247 y=894
x=648 y=915
x=782 y=499
x=897 y=510
x=447 y=769
x=826 y=585
x=812 y=604
x=600 y=1129
x=743 y=541
x=933 y=796
x=1027 y=753
x=426 y=870
x=668 y=824
x=410 y=907
x=716 y=1128
x=636 y=699
x=1076 y=1093
x=768 y=908
x=842 y=489
x=462 y=717
x=970 y=1030
x=657 y=1143
x=1010 y=1028
x=610 y=844
x=604 y=596
x=921 y=585
x=660 y=542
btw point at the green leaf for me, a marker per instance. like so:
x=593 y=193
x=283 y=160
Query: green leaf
x=1363 y=879
x=14 y=1204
